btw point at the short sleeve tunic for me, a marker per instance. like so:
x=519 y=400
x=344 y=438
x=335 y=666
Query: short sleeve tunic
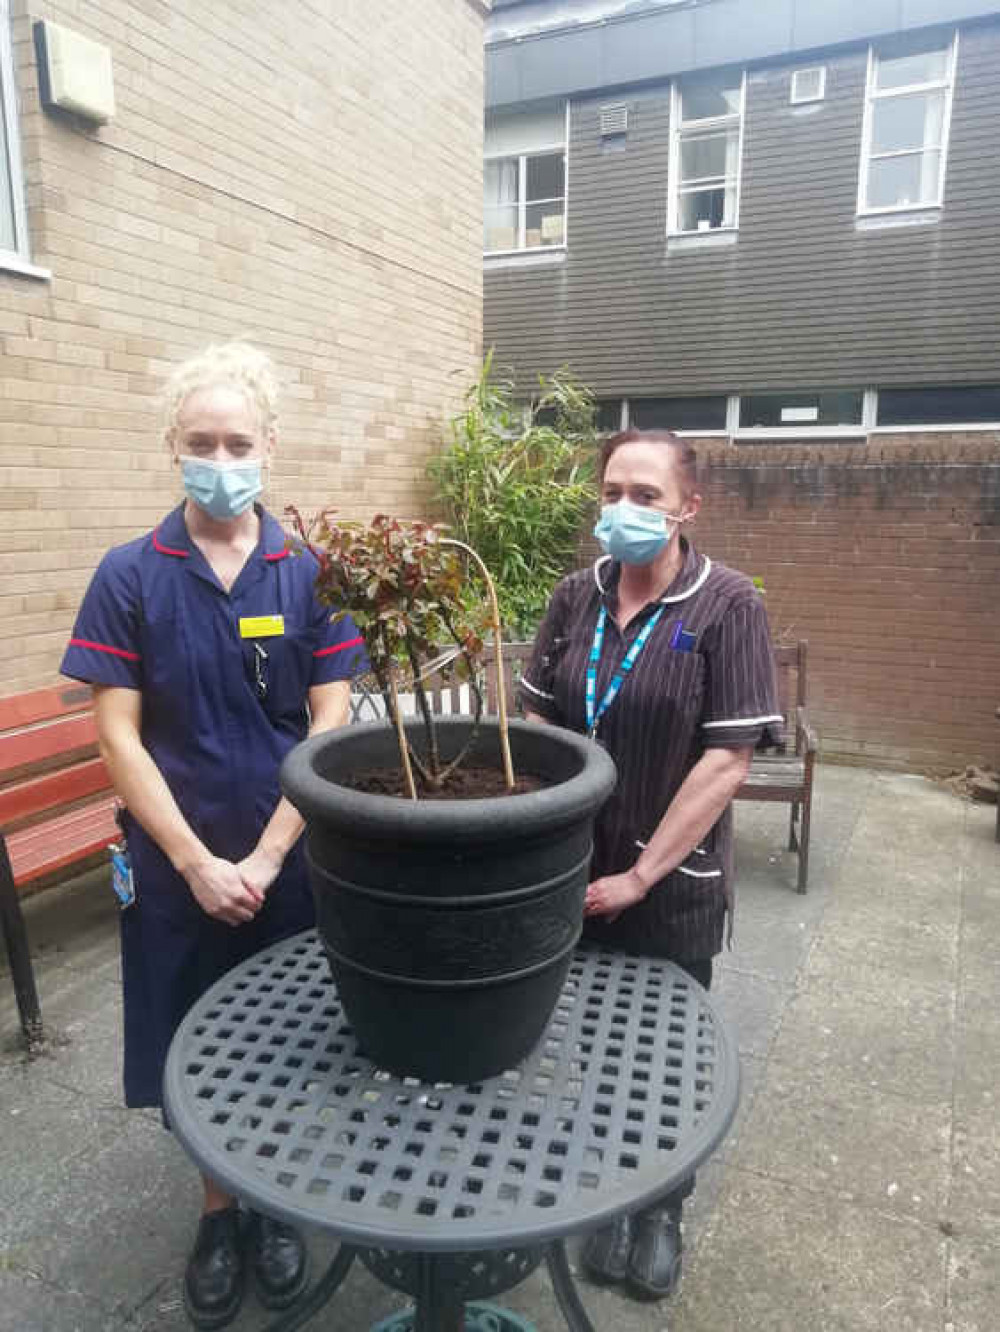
x=224 y=679
x=705 y=679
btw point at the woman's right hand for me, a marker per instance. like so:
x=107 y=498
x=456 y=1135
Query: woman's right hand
x=220 y=891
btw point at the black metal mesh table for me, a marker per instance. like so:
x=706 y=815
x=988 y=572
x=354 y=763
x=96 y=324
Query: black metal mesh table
x=451 y=1193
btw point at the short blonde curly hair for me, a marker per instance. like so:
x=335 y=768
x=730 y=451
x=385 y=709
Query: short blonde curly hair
x=235 y=364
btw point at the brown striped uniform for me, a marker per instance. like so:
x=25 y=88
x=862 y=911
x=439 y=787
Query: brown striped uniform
x=708 y=684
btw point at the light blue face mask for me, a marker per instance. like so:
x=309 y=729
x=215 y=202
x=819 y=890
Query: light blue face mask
x=223 y=490
x=633 y=533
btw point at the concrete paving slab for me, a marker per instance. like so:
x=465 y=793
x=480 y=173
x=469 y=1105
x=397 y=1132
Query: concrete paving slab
x=750 y=1004
x=109 y=1220
x=866 y=1011
x=779 y=1258
x=895 y=1035
x=40 y=1126
x=27 y=1301
x=975 y=1196
x=973 y=1287
x=851 y=1141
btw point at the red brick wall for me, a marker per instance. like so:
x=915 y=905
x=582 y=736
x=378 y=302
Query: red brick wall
x=886 y=557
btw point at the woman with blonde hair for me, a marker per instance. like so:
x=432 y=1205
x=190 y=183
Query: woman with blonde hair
x=210 y=657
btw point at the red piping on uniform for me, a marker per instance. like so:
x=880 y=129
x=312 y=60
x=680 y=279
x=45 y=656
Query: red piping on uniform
x=102 y=647
x=338 y=647
x=278 y=555
x=167 y=550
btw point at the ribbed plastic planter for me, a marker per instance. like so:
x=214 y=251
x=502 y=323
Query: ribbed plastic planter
x=449 y=924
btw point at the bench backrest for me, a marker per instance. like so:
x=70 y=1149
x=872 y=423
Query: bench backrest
x=48 y=752
x=790 y=669
x=448 y=695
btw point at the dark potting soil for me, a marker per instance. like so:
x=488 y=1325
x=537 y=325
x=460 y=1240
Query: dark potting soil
x=463 y=784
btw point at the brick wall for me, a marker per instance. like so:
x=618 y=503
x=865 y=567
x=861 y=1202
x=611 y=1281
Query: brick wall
x=886 y=557
x=306 y=177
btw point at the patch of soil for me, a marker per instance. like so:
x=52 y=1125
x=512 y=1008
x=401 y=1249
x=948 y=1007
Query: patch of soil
x=463 y=784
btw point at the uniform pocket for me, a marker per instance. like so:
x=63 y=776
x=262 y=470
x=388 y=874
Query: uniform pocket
x=278 y=671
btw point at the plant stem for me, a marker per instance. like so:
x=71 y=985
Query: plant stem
x=508 y=765
x=404 y=749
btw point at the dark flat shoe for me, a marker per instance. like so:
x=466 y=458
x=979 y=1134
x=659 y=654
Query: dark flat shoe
x=606 y=1252
x=278 y=1260
x=214 y=1279
x=654 y=1263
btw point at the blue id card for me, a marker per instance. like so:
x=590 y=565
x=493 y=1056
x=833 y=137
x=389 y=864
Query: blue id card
x=122 y=880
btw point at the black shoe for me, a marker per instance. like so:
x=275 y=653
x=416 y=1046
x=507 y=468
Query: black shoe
x=605 y=1254
x=278 y=1260
x=213 y=1281
x=654 y=1264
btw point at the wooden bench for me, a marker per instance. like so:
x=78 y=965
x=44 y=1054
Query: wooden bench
x=56 y=812
x=786 y=774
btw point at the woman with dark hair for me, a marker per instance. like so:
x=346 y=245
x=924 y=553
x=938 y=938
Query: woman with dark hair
x=665 y=658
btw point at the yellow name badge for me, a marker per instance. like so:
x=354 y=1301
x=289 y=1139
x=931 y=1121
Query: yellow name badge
x=262 y=626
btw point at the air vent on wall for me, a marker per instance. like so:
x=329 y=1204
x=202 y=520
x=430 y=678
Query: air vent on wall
x=614 y=119
x=808 y=85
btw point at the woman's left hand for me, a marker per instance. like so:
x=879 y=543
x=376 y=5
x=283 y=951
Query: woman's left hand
x=260 y=869
x=611 y=895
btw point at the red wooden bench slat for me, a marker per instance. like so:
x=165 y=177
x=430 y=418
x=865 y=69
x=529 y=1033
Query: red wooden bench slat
x=36 y=743
x=35 y=795
x=44 y=705
x=61 y=841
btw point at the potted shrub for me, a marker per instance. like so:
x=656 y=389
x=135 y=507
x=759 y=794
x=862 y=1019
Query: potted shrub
x=449 y=922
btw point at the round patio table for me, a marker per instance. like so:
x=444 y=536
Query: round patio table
x=451 y=1194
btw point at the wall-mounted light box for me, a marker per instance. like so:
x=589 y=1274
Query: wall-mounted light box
x=74 y=73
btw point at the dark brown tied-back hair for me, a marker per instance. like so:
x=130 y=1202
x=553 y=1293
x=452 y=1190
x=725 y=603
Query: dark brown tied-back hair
x=682 y=454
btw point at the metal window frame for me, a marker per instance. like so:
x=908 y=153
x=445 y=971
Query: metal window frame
x=523 y=202
x=20 y=255
x=694 y=127
x=874 y=95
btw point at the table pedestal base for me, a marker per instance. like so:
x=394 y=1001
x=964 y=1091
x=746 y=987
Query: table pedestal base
x=439 y=1307
x=479 y=1317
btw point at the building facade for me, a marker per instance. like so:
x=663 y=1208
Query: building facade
x=768 y=224
x=307 y=178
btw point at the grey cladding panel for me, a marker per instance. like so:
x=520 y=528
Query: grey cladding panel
x=803 y=297
x=821 y=23
x=728 y=33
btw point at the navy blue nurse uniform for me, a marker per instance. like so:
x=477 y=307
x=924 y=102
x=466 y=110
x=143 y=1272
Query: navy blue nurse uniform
x=220 y=710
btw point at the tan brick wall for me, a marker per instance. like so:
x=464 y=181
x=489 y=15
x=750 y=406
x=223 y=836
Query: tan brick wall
x=306 y=177
x=886 y=557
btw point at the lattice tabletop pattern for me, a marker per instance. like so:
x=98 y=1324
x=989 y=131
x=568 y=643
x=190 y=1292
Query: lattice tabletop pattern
x=633 y=1084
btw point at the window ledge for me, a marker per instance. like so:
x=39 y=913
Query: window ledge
x=902 y=217
x=987 y=427
x=536 y=258
x=701 y=240
x=750 y=433
x=12 y=263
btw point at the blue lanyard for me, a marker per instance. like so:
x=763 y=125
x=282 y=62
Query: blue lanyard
x=594 y=714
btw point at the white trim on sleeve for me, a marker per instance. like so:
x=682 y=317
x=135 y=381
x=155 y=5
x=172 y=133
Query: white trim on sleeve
x=539 y=692
x=745 y=721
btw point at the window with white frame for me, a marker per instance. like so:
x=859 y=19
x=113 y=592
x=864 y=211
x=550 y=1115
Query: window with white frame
x=706 y=135
x=524 y=181
x=907 y=115
x=13 y=235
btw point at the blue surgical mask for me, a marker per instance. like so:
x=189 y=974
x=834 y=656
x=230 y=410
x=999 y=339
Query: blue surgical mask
x=633 y=533
x=223 y=489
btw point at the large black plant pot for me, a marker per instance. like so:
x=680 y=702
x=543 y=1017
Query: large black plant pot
x=449 y=924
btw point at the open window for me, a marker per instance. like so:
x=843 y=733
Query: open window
x=706 y=136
